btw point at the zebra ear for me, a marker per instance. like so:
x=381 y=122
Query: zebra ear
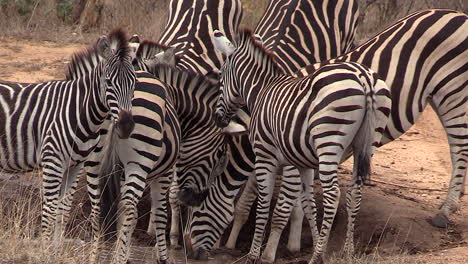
x=213 y=76
x=166 y=57
x=258 y=38
x=221 y=165
x=134 y=44
x=103 y=47
x=234 y=128
x=222 y=43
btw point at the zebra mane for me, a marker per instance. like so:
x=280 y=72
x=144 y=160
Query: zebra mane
x=246 y=37
x=148 y=49
x=84 y=61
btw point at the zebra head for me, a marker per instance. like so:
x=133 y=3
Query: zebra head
x=230 y=99
x=148 y=54
x=117 y=80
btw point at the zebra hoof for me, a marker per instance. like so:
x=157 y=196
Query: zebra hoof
x=198 y=254
x=166 y=261
x=440 y=220
x=253 y=260
x=176 y=247
x=227 y=251
x=317 y=260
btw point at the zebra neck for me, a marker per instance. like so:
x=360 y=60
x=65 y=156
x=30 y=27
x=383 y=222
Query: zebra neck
x=255 y=81
x=193 y=96
x=92 y=109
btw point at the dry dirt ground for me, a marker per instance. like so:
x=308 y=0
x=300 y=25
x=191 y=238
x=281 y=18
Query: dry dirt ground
x=393 y=218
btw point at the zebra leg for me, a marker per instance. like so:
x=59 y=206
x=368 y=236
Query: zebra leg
x=265 y=171
x=51 y=186
x=242 y=210
x=308 y=203
x=289 y=195
x=455 y=122
x=94 y=194
x=159 y=188
x=295 y=228
x=353 y=205
x=132 y=191
x=331 y=198
x=297 y=214
x=175 y=213
x=67 y=191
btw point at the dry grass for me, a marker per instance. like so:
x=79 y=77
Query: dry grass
x=20 y=209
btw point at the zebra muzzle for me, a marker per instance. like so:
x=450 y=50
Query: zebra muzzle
x=220 y=119
x=197 y=254
x=125 y=124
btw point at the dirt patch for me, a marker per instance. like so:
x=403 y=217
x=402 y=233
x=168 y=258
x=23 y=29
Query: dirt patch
x=24 y=61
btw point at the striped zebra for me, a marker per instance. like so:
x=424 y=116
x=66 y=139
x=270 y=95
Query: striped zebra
x=282 y=23
x=419 y=35
x=189 y=27
x=312 y=122
x=330 y=25
x=149 y=153
x=188 y=30
x=201 y=146
x=422 y=58
x=181 y=87
x=54 y=125
x=302 y=32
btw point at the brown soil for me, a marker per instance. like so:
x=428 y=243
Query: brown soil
x=393 y=219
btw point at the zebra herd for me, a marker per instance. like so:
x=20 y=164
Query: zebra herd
x=211 y=107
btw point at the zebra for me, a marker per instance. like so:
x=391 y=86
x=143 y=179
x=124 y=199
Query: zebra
x=189 y=27
x=431 y=69
x=54 y=125
x=302 y=32
x=181 y=87
x=149 y=153
x=375 y=48
x=325 y=24
x=282 y=22
x=188 y=30
x=207 y=224
x=311 y=122
x=202 y=142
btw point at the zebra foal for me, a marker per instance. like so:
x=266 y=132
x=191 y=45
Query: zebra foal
x=54 y=125
x=311 y=123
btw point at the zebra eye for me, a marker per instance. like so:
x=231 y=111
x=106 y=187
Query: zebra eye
x=108 y=82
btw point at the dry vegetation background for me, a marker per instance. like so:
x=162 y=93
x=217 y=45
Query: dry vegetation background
x=80 y=20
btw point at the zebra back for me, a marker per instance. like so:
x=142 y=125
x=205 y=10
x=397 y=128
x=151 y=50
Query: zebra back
x=189 y=28
x=287 y=29
x=427 y=41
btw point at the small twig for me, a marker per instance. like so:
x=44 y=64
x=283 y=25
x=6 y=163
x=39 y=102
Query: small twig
x=32 y=14
x=409 y=187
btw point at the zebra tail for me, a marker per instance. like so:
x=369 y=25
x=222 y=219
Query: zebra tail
x=110 y=174
x=362 y=145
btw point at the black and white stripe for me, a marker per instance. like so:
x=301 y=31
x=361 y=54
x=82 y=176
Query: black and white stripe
x=312 y=122
x=149 y=153
x=189 y=27
x=54 y=125
x=201 y=150
x=422 y=58
x=326 y=22
x=302 y=32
